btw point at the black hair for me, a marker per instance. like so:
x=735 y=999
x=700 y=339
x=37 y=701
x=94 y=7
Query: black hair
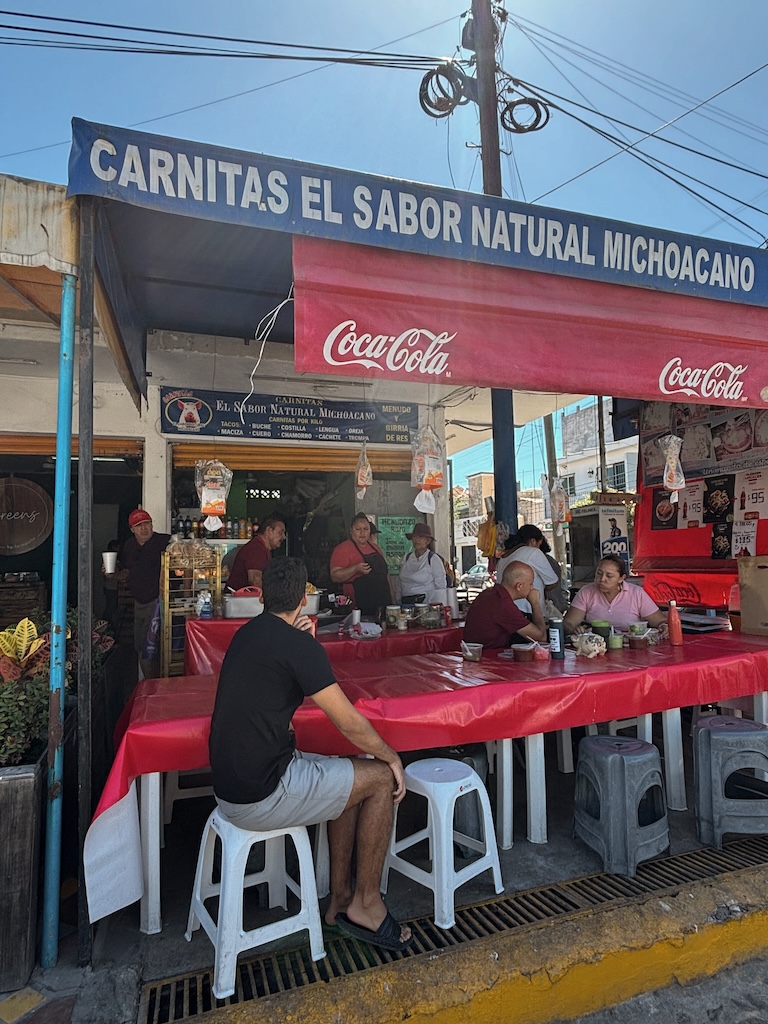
x=526 y=533
x=273 y=520
x=618 y=561
x=283 y=584
x=360 y=516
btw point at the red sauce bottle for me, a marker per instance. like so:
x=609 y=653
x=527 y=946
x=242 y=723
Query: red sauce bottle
x=674 y=625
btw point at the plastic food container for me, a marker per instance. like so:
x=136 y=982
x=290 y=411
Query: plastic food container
x=472 y=652
x=236 y=606
x=312 y=607
x=523 y=652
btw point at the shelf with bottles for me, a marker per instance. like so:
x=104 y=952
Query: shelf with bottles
x=188 y=522
x=187 y=570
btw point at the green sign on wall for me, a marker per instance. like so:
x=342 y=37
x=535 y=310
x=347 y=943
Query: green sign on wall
x=392 y=540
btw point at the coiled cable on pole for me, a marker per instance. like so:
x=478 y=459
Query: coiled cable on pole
x=524 y=115
x=442 y=90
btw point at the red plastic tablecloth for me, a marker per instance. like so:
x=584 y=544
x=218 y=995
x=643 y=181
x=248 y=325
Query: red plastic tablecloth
x=208 y=640
x=419 y=701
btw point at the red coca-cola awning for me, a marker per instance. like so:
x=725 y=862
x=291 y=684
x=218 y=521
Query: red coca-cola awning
x=377 y=313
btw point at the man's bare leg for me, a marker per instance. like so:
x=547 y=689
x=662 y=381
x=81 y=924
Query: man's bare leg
x=371 y=798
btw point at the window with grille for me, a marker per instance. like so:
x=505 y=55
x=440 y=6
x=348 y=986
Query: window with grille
x=617 y=476
x=569 y=485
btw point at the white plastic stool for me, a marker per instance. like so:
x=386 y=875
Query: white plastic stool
x=172 y=791
x=226 y=933
x=442 y=782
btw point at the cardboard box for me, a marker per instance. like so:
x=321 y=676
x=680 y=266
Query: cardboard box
x=753 y=591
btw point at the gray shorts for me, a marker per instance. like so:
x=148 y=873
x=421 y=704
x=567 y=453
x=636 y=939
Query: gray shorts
x=313 y=788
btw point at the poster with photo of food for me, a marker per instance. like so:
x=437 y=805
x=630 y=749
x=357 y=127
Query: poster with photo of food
x=750 y=493
x=744 y=538
x=696 y=451
x=691 y=501
x=656 y=418
x=683 y=414
x=718 y=499
x=721 y=540
x=732 y=437
x=665 y=511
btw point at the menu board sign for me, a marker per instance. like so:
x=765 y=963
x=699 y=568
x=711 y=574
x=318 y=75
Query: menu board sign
x=280 y=418
x=715 y=439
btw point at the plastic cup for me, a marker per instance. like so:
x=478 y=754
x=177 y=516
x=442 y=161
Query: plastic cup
x=472 y=652
x=109 y=560
x=638 y=628
x=602 y=628
x=615 y=642
x=393 y=612
x=402 y=623
x=522 y=652
x=638 y=643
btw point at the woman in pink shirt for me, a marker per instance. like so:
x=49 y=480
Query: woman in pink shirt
x=611 y=600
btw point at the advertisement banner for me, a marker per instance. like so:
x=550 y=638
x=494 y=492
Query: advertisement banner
x=612 y=530
x=392 y=540
x=403 y=316
x=190 y=412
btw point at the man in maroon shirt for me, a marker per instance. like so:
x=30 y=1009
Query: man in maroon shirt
x=252 y=558
x=494 y=619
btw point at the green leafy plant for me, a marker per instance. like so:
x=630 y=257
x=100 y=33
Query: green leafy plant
x=25 y=654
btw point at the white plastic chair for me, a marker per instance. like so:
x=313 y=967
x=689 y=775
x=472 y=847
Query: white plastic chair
x=227 y=933
x=442 y=782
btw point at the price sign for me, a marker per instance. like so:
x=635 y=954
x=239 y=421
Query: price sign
x=749 y=494
x=616 y=546
x=691 y=501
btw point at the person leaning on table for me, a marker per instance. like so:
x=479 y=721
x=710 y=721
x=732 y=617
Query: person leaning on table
x=261 y=781
x=612 y=600
x=494 y=619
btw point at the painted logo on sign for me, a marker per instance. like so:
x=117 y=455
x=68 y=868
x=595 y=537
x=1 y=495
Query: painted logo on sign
x=187 y=413
x=415 y=350
x=721 y=380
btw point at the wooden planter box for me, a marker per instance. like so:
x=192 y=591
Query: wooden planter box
x=21 y=810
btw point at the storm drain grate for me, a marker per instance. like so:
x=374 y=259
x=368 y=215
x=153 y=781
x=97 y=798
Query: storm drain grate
x=188 y=996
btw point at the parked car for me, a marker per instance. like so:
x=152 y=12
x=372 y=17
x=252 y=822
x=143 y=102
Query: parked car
x=477 y=578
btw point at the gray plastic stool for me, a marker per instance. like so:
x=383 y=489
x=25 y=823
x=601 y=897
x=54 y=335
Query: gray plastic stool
x=722 y=745
x=619 y=807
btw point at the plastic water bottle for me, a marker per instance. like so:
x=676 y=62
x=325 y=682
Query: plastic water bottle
x=556 y=635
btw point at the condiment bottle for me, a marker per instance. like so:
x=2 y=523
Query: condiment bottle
x=674 y=625
x=556 y=636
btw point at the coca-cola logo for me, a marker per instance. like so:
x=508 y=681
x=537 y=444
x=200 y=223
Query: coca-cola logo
x=683 y=593
x=720 y=380
x=414 y=350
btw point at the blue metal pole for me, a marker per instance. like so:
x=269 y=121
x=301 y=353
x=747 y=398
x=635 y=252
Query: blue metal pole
x=50 y=943
x=504 y=468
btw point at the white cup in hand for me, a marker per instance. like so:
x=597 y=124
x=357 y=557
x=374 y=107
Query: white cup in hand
x=109 y=561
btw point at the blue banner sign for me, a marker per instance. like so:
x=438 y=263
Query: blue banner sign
x=277 y=418
x=237 y=187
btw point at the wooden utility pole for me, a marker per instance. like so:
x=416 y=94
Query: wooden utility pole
x=549 y=440
x=502 y=410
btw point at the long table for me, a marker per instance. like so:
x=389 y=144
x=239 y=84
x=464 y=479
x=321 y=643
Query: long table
x=207 y=641
x=414 y=701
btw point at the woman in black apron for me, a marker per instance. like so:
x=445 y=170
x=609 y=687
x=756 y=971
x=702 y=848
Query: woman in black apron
x=359 y=564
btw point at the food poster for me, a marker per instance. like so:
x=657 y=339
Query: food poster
x=721 y=540
x=718 y=499
x=750 y=490
x=691 y=500
x=665 y=511
x=714 y=438
x=743 y=538
x=392 y=540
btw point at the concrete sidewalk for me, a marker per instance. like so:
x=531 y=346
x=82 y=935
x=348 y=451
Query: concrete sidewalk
x=555 y=969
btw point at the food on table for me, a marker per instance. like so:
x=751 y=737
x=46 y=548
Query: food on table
x=589 y=645
x=311 y=588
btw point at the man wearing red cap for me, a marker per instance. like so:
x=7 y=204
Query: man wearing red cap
x=140 y=566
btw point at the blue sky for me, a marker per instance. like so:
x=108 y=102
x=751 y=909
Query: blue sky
x=647 y=65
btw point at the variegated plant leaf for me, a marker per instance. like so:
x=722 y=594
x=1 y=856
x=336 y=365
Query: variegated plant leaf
x=24 y=635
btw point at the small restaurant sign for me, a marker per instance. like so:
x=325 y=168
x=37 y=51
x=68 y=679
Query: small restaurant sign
x=26 y=516
x=280 y=418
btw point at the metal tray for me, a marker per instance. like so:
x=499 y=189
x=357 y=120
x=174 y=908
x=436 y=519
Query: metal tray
x=245 y=607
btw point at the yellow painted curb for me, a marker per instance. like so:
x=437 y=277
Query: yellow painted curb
x=18 y=1003
x=554 y=971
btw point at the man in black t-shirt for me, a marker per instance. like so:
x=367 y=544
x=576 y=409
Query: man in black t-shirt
x=262 y=782
x=139 y=562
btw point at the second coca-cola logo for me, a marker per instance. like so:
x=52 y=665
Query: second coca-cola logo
x=661 y=591
x=414 y=350
x=721 y=380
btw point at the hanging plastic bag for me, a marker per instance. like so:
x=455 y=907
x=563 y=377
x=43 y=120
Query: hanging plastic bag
x=674 y=478
x=559 y=505
x=427 y=471
x=212 y=481
x=486 y=536
x=363 y=473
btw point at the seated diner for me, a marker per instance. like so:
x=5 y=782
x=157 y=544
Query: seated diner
x=494 y=619
x=611 y=599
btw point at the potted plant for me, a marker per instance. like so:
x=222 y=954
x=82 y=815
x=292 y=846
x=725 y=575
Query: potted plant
x=25 y=651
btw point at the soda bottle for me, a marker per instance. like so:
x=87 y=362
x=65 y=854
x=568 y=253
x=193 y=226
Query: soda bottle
x=674 y=625
x=187 y=527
